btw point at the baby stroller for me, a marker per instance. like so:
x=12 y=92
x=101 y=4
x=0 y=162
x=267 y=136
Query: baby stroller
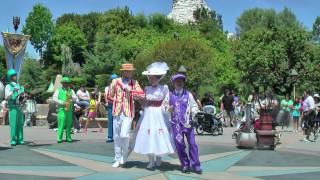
x=209 y=121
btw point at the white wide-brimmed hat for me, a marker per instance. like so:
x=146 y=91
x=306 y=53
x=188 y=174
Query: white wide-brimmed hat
x=156 y=69
x=316 y=95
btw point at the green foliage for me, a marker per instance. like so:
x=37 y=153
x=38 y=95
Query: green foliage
x=266 y=18
x=185 y=51
x=39 y=25
x=95 y=65
x=31 y=73
x=141 y=20
x=268 y=56
x=69 y=18
x=87 y=23
x=70 y=35
x=309 y=79
x=205 y=16
x=102 y=80
x=160 y=22
x=316 y=27
x=118 y=21
x=206 y=67
x=77 y=81
x=2 y=61
x=270 y=44
x=37 y=78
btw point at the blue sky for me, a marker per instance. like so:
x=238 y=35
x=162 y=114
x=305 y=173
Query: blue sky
x=305 y=10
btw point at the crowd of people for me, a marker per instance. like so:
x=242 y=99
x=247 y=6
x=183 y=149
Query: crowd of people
x=165 y=118
x=300 y=113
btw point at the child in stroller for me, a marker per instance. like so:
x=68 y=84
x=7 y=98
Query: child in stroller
x=209 y=121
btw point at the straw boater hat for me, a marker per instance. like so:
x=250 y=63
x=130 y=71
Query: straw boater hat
x=127 y=67
x=156 y=69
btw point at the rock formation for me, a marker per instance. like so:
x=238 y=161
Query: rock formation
x=182 y=10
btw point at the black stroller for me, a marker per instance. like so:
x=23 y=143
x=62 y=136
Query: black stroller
x=209 y=121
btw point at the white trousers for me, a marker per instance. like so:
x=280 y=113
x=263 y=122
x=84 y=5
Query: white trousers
x=121 y=131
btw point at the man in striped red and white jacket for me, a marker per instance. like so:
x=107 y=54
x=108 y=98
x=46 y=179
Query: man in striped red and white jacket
x=122 y=93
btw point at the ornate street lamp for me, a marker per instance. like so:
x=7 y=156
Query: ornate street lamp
x=294 y=76
x=16 y=23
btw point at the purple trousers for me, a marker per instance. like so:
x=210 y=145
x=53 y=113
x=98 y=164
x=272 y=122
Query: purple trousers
x=193 y=158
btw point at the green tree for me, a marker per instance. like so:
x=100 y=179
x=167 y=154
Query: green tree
x=31 y=73
x=266 y=18
x=141 y=20
x=118 y=21
x=87 y=23
x=288 y=19
x=69 y=18
x=311 y=76
x=268 y=56
x=39 y=25
x=2 y=61
x=206 y=66
x=205 y=16
x=38 y=78
x=160 y=22
x=70 y=35
x=316 y=27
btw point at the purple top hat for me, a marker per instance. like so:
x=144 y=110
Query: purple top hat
x=178 y=76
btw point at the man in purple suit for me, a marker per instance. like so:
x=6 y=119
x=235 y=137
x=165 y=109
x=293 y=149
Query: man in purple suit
x=183 y=108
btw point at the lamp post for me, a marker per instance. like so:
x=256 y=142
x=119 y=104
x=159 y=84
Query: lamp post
x=294 y=75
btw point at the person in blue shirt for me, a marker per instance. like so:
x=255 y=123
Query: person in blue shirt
x=296 y=114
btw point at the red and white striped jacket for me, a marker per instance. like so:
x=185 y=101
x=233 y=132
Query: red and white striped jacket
x=123 y=97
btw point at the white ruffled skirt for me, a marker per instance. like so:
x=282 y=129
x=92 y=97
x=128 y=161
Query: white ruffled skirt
x=153 y=135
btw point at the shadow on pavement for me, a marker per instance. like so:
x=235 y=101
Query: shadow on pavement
x=4 y=148
x=165 y=166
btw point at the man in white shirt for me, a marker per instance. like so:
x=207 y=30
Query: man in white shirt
x=309 y=114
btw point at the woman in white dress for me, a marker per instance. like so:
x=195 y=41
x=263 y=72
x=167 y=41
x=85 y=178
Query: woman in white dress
x=153 y=136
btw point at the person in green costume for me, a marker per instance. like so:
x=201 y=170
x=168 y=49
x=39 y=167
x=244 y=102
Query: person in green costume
x=14 y=92
x=64 y=97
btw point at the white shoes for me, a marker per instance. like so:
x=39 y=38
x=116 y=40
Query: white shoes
x=123 y=159
x=158 y=161
x=116 y=164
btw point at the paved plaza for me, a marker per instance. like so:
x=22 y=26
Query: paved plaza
x=89 y=157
